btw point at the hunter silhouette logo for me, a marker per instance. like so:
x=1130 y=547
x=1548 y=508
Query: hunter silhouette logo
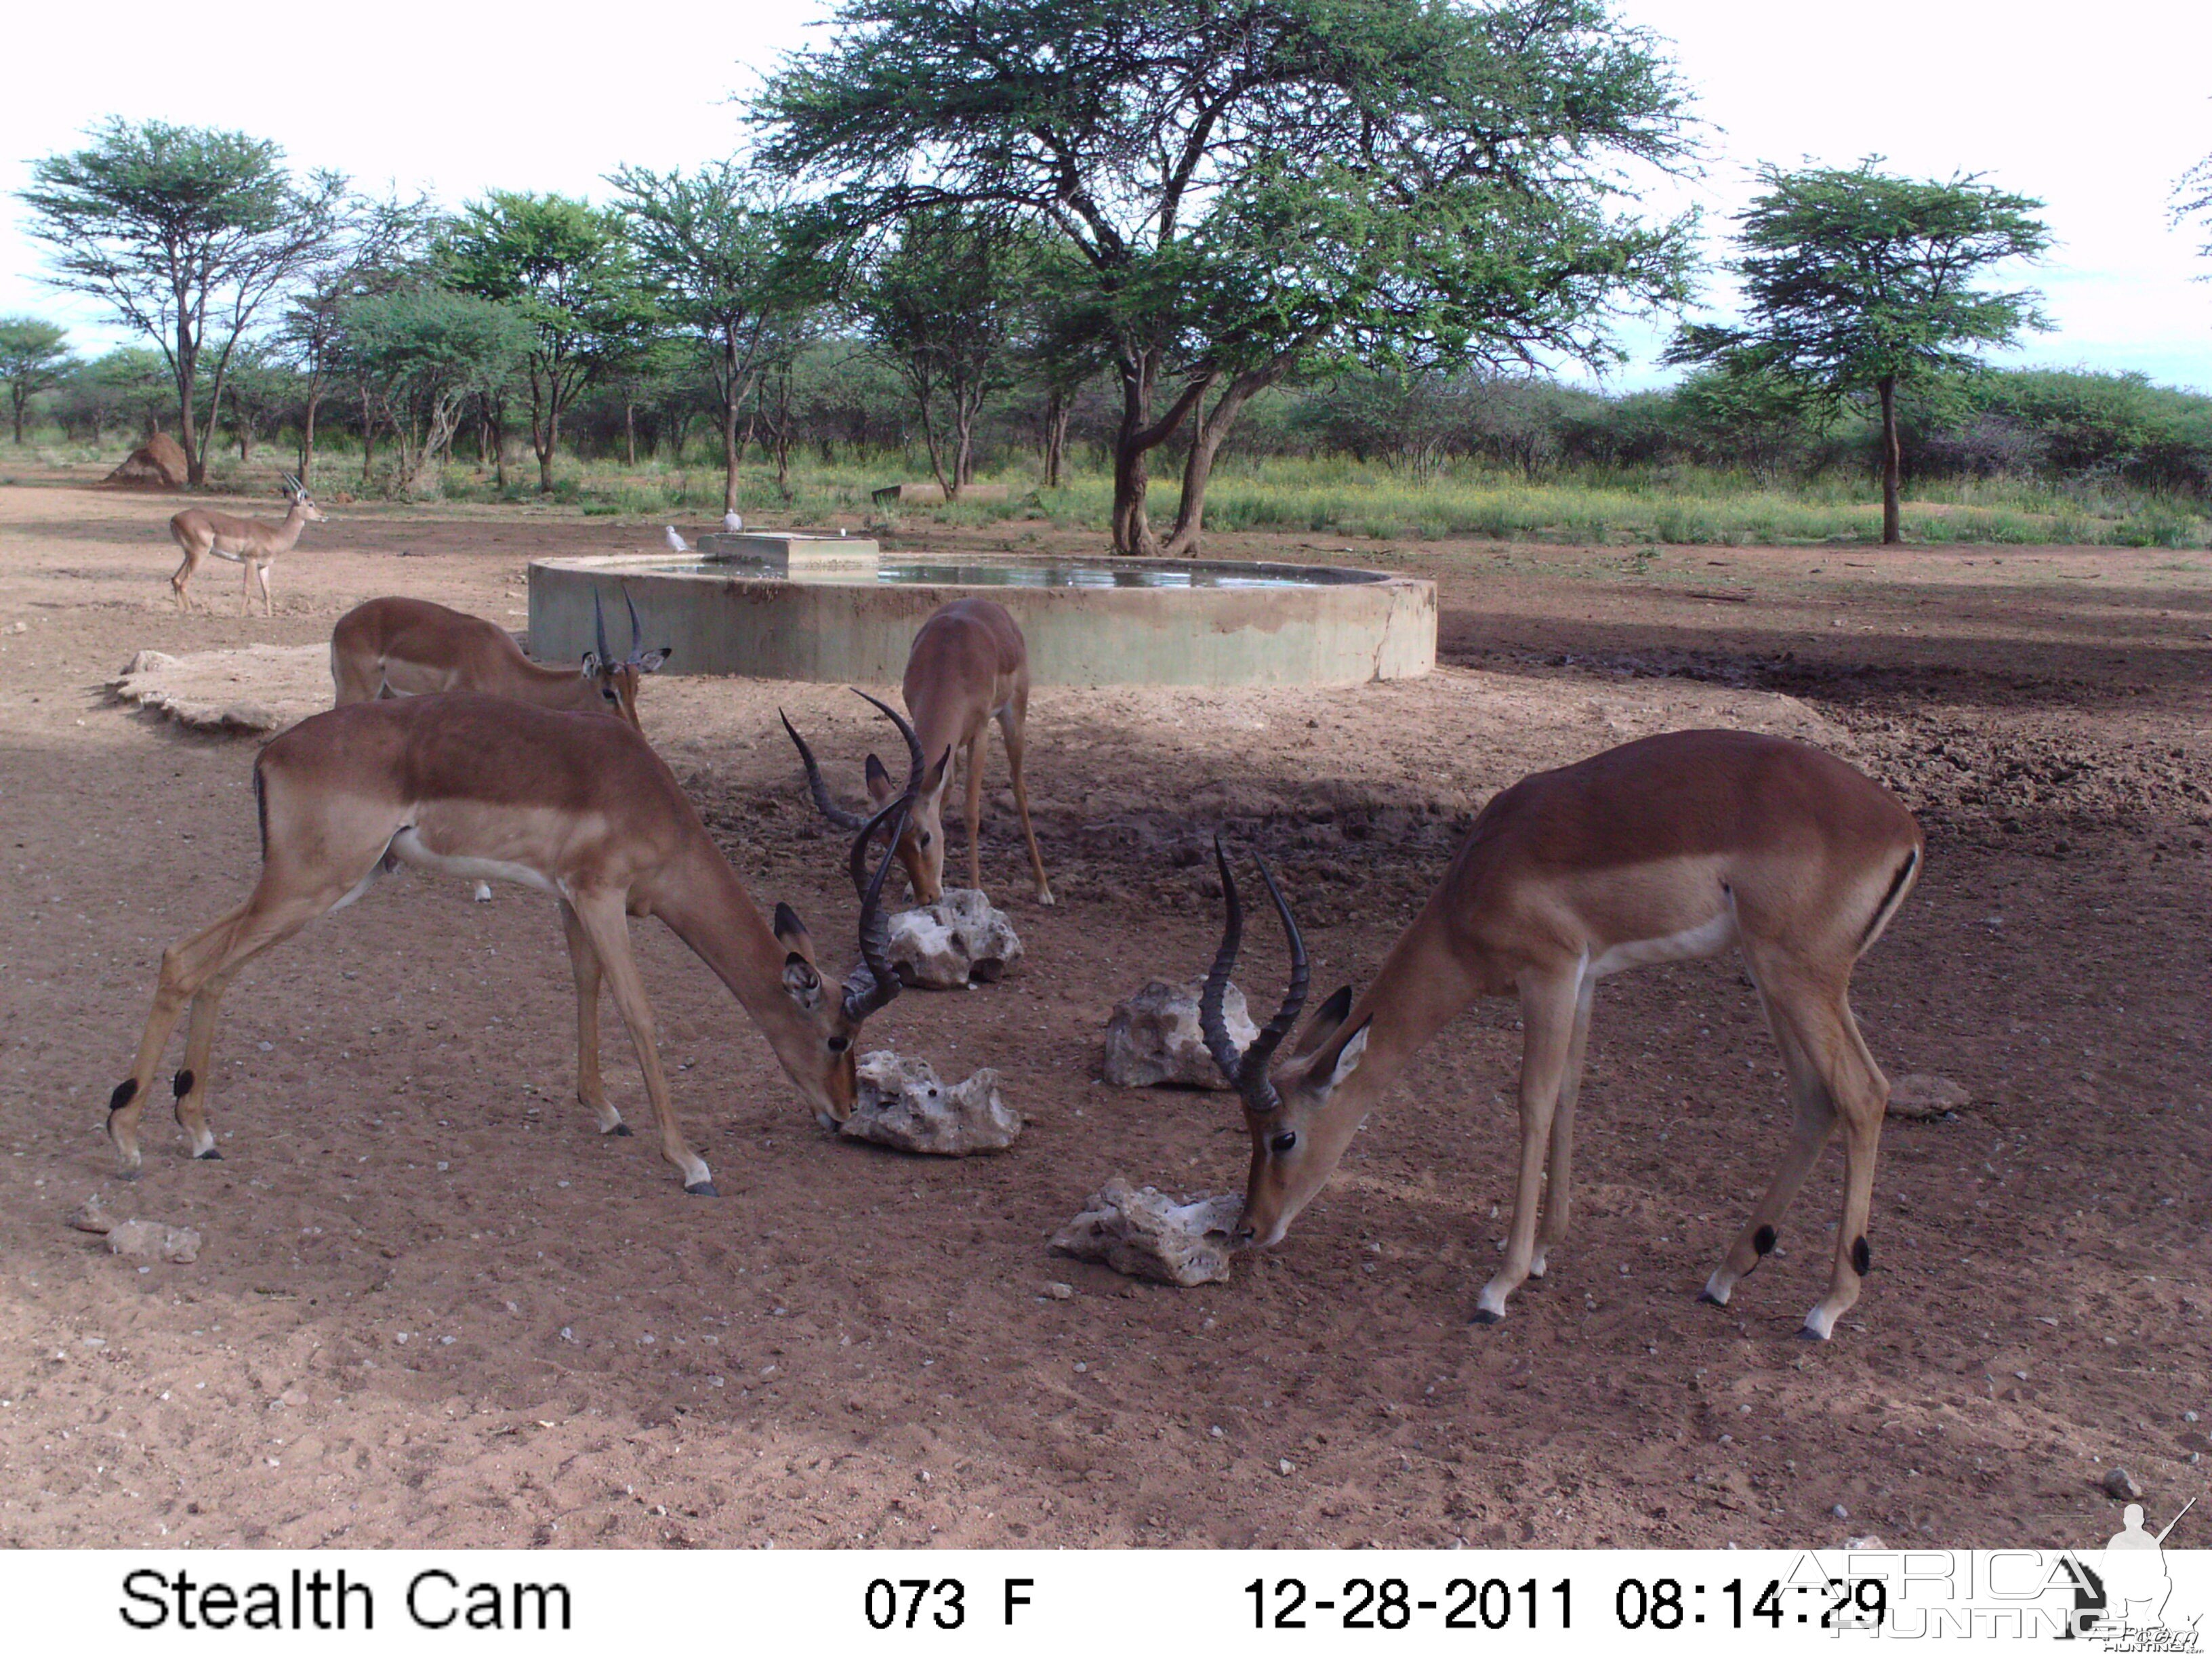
x=2125 y=1590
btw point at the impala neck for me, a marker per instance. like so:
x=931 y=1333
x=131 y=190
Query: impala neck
x=1422 y=985
x=707 y=907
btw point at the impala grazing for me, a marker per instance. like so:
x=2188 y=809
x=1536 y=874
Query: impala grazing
x=407 y=648
x=254 y=543
x=969 y=666
x=578 y=805
x=1670 y=848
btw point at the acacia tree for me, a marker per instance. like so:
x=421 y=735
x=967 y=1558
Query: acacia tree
x=716 y=246
x=566 y=267
x=1857 y=282
x=943 y=305
x=185 y=233
x=34 y=355
x=1254 y=185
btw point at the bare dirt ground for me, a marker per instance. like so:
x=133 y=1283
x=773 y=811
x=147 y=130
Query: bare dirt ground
x=434 y=1308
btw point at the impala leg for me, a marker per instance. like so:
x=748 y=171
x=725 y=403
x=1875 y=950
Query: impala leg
x=973 y=766
x=181 y=580
x=1547 y=1020
x=591 y=1089
x=1862 y=1096
x=191 y=1083
x=1788 y=1002
x=1558 y=1179
x=245 y=598
x=1012 y=719
x=209 y=957
x=608 y=930
x=261 y=575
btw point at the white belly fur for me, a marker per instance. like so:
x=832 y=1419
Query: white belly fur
x=407 y=846
x=1707 y=938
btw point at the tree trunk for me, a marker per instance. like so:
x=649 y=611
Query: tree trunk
x=1132 y=533
x=1893 y=460
x=1055 y=435
x=629 y=432
x=307 y=438
x=17 y=392
x=732 y=450
x=195 y=465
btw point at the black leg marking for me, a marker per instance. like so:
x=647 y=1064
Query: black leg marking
x=182 y=1083
x=1484 y=1316
x=704 y=1190
x=619 y=1129
x=122 y=1097
x=1707 y=1296
x=1862 y=1257
x=1763 y=1240
x=210 y=1154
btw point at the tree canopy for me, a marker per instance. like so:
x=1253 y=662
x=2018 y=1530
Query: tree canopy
x=566 y=268
x=1857 y=282
x=186 y=232
x=33 y=355
x=1255 y=186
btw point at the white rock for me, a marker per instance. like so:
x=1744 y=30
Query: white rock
x=1153 y=1038
x=1925 y=1094
x=1142 y=1232
x=904 y=1104
x=959 y=941
x=152 y=1239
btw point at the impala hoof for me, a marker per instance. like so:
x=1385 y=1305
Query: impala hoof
x=1807 y=1334
x=126 y=1174
x=703 y=1189
x=1707 y=1296
x=619 y=1129
x=209 y=1156
x=1484 y=1316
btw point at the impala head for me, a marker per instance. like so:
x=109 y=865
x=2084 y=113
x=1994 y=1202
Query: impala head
x=920 y=841
x=616 y=681
x=297 y=493
x=1296 y=1138
x=817 y=1045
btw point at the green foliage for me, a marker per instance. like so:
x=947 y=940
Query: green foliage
x=34 y=355
x=425 y=352
x=185 y=233
x=1852 y=277
x=943 y=305
x=567 y=269
x=1253 y=186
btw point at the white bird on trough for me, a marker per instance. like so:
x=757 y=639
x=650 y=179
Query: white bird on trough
x=734 y=523
x=676 y=542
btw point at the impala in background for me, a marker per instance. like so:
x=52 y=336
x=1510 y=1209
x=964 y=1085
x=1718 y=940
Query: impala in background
x=254 y=543
x=969 y=666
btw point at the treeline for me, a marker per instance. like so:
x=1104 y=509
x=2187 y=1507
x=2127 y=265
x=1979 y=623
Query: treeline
x=841 y=401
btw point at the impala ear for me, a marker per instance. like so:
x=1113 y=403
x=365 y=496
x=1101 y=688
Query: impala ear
x=1348 y=1057
x=791 y=934
x=935 y=781
x=591 y=668
x=1322 y=1026
x=804 y=984
x=651 y=661
x=880 y=787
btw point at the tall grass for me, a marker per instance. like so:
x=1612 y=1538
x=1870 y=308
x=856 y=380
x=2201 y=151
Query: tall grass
x=1332 y=496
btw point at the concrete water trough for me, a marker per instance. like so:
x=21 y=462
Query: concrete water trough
x=835 y=610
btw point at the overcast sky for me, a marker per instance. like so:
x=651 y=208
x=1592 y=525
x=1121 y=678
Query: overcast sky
x=2097 y=116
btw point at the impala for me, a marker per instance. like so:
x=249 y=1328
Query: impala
x=578 y=805
x=1670 y=848
x=405 y=647
x=254 y=543
x=967 y=666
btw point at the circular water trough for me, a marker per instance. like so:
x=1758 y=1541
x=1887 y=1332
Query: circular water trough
x=1089 y=622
